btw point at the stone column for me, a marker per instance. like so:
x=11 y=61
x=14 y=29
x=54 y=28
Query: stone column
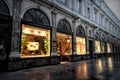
x=87 y=40
x=15 y=44
x=54 y=30
x=74 y=37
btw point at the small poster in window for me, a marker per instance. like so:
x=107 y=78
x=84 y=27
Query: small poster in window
x=32 y=46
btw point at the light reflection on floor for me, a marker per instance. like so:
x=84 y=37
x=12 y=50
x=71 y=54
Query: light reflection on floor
x=94 y=69
x=64 y=62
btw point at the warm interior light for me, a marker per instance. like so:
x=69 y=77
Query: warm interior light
x=80 y=39
x=26 y=30
x=35 y=32
x=68 y=40
x=43 y=33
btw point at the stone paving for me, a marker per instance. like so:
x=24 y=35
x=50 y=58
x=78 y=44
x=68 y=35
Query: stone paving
x=107 y=68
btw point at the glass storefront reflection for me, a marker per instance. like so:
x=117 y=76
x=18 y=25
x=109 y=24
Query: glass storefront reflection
x=99 y=66
x=110 y=66
x=82 y=71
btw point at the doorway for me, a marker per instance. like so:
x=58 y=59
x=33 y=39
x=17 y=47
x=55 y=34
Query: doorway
x=64 y=46
x=91 y=48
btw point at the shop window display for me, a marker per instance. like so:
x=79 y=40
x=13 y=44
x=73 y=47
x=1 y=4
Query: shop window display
x=103 y=48
x=108 y=48
x=97 y=46
x=80 y=45
x=35 y=41
x=64 y=44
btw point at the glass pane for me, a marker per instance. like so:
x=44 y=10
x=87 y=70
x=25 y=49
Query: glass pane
x=97 y=46
x=35 y=41
x=80 y=31
x=108 y=48
x=64 y=44
x=37 y=16
x=64 y=26
x=80 y=45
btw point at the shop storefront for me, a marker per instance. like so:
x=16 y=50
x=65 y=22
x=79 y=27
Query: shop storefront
x=64 y=40
x=80 y=41
x=103 y=49
x=108 y=48
x=35 y=42
x=103 y=45
x=97 y=45
x=35 y=36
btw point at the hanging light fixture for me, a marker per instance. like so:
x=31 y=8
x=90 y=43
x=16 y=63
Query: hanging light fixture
x=26 y=30
x=43 y=33
x=68 y=40
x=35 y=32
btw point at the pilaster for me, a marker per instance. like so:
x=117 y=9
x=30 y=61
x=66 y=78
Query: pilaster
x=15 y=44
x=74 y=37
x=54 y=30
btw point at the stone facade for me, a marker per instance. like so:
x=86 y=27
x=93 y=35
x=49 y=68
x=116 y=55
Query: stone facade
x=85 y=13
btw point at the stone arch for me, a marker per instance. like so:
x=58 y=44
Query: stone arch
x=103 y=37
x=97 y=35
x=35 y=6
x=108 y=37
x=80 y=31
x=37 y=16
x=64 y=26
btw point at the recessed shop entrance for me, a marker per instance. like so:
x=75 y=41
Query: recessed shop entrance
x=64 y=46
x=64 y=40
x=91 y=48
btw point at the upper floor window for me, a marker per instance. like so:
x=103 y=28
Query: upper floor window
x=63 y=1
x=101 y=20
x=88 y=12
x=106 y=22
x=95 y=15
x=79 y=5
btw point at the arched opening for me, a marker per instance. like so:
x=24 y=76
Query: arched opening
x=5 y=30
x=108 y=45
x=103 y=44
x=80 y=41
x=97 y=43
x=35 y=37
x=64 y=40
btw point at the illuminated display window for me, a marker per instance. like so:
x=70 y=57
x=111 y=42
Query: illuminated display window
x=108 y=48
x=97 y=46
x=103 y=48
x=35 y=42
x=80 y=45
x=64 y=44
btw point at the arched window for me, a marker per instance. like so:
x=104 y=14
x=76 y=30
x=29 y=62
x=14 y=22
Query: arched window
x=3 y=7
x=64 y=26
x=103 y=37
x=80 y=31
x=97 y=35
x=36 y=16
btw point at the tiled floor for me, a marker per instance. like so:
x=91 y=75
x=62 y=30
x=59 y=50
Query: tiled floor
x=95 y=69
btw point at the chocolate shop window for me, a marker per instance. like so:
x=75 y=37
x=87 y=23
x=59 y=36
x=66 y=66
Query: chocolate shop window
x=35 y=42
